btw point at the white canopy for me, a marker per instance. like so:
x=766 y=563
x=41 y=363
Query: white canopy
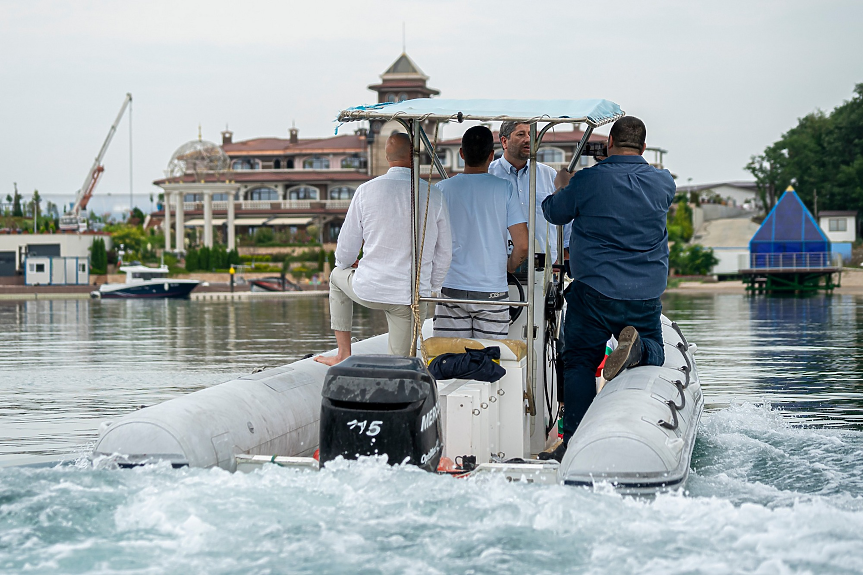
x=594 y=112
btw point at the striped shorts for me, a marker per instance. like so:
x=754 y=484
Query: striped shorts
x=471 y=320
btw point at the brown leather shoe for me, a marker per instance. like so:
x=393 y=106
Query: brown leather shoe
x=627 y=354
x=555 y=454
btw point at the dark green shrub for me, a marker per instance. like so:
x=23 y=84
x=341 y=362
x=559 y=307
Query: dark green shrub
x=98 y=257
x=694 y=260
x=192 y=260
x=264 y=235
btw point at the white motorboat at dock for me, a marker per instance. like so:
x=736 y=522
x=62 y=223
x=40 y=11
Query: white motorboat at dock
x=146 y=282
x=637 y=435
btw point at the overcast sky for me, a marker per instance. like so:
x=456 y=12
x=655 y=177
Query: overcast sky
x=715 y=82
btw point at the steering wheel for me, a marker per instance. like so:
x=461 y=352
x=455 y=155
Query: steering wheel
x=515 y=311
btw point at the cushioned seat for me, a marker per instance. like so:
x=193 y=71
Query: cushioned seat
x=436 y=346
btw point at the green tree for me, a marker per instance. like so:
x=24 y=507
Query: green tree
x=192 y=260
x=36 y=202
x=680 y=224
x=204 y=259
x=98 y=257
x=17 y=211
x=822 y=156
x=133 y=238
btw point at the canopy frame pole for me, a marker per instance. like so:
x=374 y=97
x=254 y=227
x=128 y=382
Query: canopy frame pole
x=560 y=258
x=415 y=131
x=531 y=266
x=435 y=160
x=577 y=154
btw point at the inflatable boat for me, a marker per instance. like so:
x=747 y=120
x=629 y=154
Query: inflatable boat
x=637 y=435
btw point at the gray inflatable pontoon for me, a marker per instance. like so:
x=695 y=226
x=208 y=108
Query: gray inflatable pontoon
x=639 y=432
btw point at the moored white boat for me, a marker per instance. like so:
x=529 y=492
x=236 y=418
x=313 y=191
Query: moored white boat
x=146 y=282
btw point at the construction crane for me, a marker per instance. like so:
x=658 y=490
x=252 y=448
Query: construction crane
x=73 y=220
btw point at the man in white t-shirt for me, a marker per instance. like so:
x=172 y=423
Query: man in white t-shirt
x=482 y=209
x=378 y=222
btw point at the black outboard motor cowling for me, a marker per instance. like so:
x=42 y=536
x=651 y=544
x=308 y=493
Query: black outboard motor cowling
x=381 y=404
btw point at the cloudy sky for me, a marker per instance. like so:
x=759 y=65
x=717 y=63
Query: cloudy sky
x=715 y=82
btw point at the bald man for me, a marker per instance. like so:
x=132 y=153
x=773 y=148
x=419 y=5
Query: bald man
x=378 y=222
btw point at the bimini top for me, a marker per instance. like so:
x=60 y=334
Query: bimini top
x=592 y=112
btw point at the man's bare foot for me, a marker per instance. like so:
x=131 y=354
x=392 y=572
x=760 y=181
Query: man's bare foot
x=330 y=360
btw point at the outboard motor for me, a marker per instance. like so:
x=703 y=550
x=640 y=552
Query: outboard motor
x=381 y=405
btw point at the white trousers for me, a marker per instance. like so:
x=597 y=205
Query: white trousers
x=342 y=297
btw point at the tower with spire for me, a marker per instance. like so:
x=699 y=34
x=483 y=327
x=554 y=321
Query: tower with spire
x=403 y=80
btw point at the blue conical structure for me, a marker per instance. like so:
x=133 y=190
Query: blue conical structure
x=789 y=238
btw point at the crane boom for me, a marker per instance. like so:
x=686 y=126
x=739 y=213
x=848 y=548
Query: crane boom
x=70 y=220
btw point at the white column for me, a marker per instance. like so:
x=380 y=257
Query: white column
x=232 y=238
x=181 y=223
x=166 y=224
x=208 y=218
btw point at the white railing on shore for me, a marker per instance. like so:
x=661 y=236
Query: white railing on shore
x=793 y=261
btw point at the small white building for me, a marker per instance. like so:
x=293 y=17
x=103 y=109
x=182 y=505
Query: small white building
x=45 y=270
x=14 y=248
x=840 y=227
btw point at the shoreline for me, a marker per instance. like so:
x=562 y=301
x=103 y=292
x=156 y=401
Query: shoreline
x=851 y=284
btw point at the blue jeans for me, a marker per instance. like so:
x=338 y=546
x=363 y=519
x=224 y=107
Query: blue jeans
x=591 y=318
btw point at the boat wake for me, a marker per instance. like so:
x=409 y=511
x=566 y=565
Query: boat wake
x=764 y=495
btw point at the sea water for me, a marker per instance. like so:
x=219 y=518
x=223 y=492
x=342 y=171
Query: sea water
x=776 y=484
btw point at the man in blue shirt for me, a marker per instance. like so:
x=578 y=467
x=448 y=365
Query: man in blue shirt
x=482 y=208
x=619 y=264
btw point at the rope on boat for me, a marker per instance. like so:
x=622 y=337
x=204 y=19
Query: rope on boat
x=415 y=303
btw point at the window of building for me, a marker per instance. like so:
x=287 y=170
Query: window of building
x=402 y=96
x=247 y=164
x=82 y=268
x=277 y=164
x=459 y=161
x=838 y=224
x=341 y=193
x=303 y=193
x=334 y=232
x=354 y=162
x=220 y=197
x=193 y=197
x=549 y=155
x=583 y=160
x=316 y=163
x=391 y=97
x=289 y=163
x=441 y=155
x=264 y=194
x=40 y=268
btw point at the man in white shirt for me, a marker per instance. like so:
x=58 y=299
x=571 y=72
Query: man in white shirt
x=378 y=222
x=482 y=208
x=514 y=167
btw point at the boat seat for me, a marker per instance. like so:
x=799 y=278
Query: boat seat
x=436 y=346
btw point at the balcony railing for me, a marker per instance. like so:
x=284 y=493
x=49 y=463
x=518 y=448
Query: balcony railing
x=266 y=205
x=793 y=261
